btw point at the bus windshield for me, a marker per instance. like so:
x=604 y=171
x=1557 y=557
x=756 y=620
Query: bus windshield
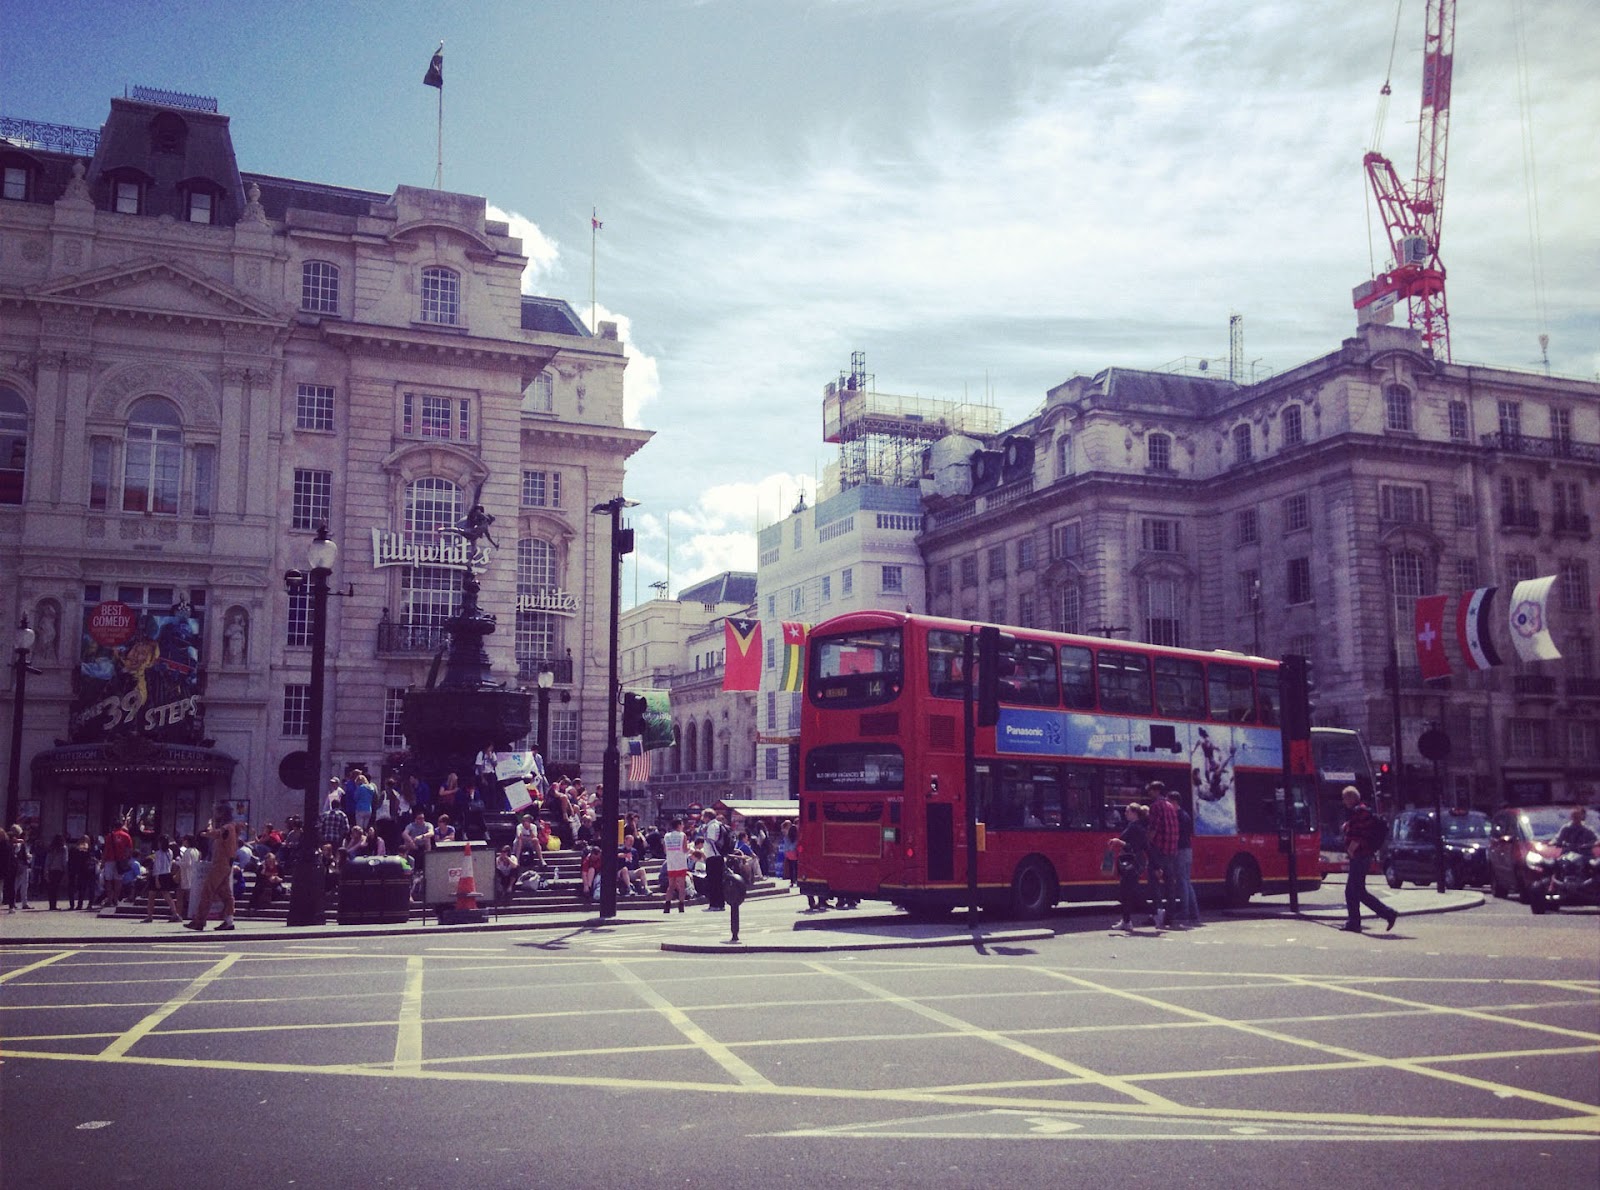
x=856 y=669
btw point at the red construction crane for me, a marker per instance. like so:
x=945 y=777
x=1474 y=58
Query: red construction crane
x=1413 y=220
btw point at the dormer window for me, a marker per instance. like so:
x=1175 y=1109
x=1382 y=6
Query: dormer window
x=200 y=206
x=127 y=196
x=168 y=134
x=16 y=183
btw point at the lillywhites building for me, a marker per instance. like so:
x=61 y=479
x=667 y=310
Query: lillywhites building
x=198 y=367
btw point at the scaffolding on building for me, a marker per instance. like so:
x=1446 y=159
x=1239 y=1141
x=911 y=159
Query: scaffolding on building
x=881 y=436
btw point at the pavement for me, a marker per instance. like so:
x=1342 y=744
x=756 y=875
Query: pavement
x=777 y=924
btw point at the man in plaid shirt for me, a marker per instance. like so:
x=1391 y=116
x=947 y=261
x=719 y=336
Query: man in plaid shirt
x=334 y=826
x=1163 y=853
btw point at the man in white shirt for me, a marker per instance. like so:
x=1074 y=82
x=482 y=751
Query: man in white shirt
x=677 y=848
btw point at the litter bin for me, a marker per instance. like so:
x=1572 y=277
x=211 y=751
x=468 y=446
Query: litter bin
x=374 y=890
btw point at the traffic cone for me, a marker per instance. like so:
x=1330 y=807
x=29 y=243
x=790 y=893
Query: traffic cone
x=467 y=886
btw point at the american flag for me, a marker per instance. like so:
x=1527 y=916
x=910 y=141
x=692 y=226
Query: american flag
x=638 y=762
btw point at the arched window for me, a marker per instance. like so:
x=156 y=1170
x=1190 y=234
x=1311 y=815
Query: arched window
x=441 y=296
x=13 y=446
x=152 y=463
x=1243 y=443
x=691 y=747
x=708 y=744
x=1294 y=430
x=319 y=287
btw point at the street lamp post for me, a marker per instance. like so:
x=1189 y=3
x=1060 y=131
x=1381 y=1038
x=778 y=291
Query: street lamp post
x=307 y=903
x=19 y=695
x=545 y=680
x=611 y=768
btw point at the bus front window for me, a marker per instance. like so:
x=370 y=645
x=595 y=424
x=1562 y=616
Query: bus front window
x=856 y=668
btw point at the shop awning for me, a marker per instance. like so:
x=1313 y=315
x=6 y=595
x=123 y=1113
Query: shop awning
x=131 y=757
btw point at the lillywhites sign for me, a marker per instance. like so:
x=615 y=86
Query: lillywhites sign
x=548 y=599
x=392 y=549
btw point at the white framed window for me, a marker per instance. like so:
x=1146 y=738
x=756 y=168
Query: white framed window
x=313 y=407
x=969 y=570
x=297 y=625
x=564 y=736
x=1246 y=527
x=1407 y=583
x=797 y=600
x=441 y=296
x=1458 y=421
x=540 y=396
x=394 y=706
x=1294 y=429
x=1397 y=409
x=1160 y=535
x=1467 y=573
x=1509 y=415
x=319 y=287
x=152 y=461
x=13 y=446
x=127 y=196
x=1297 y=513
x=892 y=580
x=541 y=489
x=827 y=587
x=200 y=206
x=1402 y=503
x=1243 y=443
x=313 y=498
x=1063 y=456
x=296 y=709
x=1158 y=452
x=1071 y=606
x=427 y=596
x=846 y=580
x=1163 y=623
x=1574 y=585
x=431 y=504
x=1027 y=553
x=1066 y=541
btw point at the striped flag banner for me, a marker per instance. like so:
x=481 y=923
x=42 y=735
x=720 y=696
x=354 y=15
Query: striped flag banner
x=1473 y=617
x=638 y=762
x=794 y=655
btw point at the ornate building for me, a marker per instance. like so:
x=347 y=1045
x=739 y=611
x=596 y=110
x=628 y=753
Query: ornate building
x=198 y=367
x=1305 y=514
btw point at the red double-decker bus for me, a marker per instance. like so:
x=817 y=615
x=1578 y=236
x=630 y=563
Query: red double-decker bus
x=1080 y=725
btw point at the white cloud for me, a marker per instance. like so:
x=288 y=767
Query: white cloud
x=542 y=252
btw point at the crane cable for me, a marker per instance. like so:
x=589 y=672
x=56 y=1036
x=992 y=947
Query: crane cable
x=1379 y=119
x=1530 y=182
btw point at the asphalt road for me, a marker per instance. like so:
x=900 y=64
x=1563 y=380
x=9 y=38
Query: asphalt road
x=1267 y=1052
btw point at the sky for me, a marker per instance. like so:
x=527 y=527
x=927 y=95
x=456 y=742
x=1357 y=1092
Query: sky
x=987 y=197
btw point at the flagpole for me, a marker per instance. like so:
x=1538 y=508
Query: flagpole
x=594 y=236
x=438 y=168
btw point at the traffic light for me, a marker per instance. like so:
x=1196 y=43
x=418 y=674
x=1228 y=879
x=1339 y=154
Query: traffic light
x=633 y=709
x=1294 y=684
x=1380 y=781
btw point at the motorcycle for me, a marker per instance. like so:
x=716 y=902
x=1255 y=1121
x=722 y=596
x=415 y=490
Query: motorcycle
x=1571 y=878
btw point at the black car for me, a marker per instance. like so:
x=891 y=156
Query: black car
x=1410 y=853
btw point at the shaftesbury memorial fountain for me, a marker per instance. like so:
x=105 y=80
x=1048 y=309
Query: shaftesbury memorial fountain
x=454 y=718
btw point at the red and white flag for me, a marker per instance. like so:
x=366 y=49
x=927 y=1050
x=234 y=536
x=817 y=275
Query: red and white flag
x=1431 y=656
x=1473 y=617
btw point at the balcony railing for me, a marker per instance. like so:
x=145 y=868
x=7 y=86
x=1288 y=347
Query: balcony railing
x=1533 y=686
x=1583 y=687
x=1576 y=523
x=395 y=637
x=528 y=669
x=1514 y=517
x=1542 y=448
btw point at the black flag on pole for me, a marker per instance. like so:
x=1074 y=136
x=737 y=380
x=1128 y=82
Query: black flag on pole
x=435 y=75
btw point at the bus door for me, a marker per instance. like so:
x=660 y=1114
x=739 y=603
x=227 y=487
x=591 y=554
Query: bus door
x=940 y=841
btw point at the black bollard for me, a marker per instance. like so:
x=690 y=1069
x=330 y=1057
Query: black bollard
x=733 y=890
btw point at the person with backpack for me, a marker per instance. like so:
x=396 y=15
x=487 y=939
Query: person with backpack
x=719 y=843
x=1363 y=835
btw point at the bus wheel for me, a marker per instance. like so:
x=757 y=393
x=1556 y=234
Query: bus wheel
x=1243 y=881
x=1033 y=889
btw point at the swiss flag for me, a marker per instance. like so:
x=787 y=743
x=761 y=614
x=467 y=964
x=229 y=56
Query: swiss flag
x=1430 y=637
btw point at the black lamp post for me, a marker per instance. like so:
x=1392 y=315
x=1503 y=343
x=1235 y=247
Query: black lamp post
x=611 y=768
x=19 y=695
x=545 y=680
x=307 y=904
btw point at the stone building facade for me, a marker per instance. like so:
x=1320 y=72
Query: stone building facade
x=1305 y=513
x=198 y=367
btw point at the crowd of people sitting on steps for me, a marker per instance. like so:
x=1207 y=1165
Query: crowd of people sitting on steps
x=405 y=818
